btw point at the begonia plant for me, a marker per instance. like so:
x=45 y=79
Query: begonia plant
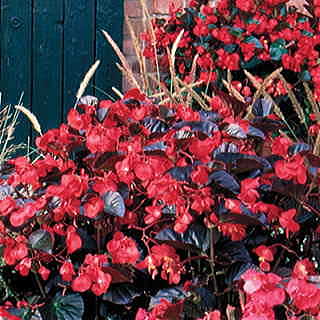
x=180 y=205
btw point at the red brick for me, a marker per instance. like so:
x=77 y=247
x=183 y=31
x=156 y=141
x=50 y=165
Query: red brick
x=128 y=48
x=137 y=27
x=132 y=8
x=162 y=6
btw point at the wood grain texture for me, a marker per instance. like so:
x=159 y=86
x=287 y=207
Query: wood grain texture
x=47 y=62
x=79 y=47
x=46 y=48
x=16 y=73
x=109 y=14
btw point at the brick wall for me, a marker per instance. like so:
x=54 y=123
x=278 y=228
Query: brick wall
x=132 y=9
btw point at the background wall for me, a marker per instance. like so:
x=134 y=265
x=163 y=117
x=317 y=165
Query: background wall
x=46 y=47
x=132 y=9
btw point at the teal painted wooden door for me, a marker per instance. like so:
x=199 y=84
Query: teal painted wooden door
x=46 y=48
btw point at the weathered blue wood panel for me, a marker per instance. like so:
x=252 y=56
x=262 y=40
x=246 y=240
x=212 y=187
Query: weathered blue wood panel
x=16 y=61
x=109 y=14
x=46 y=48
x=79 y=47
x=47 y=62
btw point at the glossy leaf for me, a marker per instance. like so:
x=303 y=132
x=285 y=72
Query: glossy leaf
x=183 y=134
x=122 y=294
x=155 y=146
x=262 y=107
x=235 y=251
x=255 y=132
x=181 y=173
x=206 y=127
x=41 y=240
x=299 y=148
x=22 y=313
x=114 y=204
x=155 y=125
x=278 y=49
x=255 y=41
x=102 y=113
x=236 y=270
x=225 y=147
x=225 y=180
x=210 y=116
x=235 y=131
x=171 y=294
x=64 y=307
x=207 y=299
x=196 y=235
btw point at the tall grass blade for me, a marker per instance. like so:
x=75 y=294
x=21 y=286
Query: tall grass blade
x=196 y=97
x=139 y=54
x=295 y=103
x=314 y=104
x=86 y=80
x=32 y=118
x=122 y=58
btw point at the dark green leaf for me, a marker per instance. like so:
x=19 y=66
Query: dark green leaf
x=114 y=204
x=206 y=127
x=254 y=40
x=278 y=49
x=88 y=242
x=235 y=251
x=202 y=301
x=155 y=125
x=212 y=26
x=155 y=146
x=122 y=294
x=250 y=20
x=236 y=270
x=69 y=307
x=251 y=63
x=262 y=107
x=172 y=295
x=230 y=48
x=181 y=173
x=237 y=32
x=254 y=132
x=23 y=313
x=187 y=18
x=307 y=33
x=207 y=299
x=225 y=180
x=196 y=235
x=41 y=240
x=305 y=75
x=234 y=130
x=299 y=147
